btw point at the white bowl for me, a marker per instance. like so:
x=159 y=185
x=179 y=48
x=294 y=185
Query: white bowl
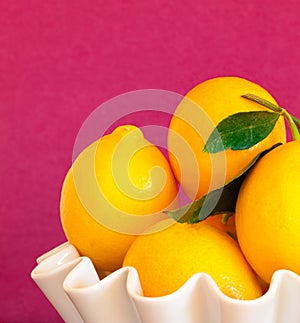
x=72 y=285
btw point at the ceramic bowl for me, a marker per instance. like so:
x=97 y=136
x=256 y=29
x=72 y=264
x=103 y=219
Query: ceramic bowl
x=72 y=285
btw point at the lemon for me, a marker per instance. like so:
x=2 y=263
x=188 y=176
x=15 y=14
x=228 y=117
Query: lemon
x=116 y=189
x=267 y=212
x=165 y=260
x=201 y=110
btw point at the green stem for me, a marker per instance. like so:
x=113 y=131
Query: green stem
x=293 y=126
x=263 y=102
x=296 y=120
x=292 y=121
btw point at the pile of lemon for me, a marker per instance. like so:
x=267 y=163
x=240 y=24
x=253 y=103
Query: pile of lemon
x=115 y=196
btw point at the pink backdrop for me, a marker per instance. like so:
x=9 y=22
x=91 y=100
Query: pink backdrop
x=60 y=59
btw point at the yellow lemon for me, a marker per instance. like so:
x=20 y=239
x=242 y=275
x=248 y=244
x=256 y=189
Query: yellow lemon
x=117 y=188
x=201 y=110
x=165 y=260
x=267 y=212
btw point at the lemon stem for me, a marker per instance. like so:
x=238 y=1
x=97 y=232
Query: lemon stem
x=296 y=120
x=225 y=217
x=292 y=125
x=293 y=122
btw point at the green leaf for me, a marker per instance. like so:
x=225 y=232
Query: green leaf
x=222 y=200
x=241 y=131
x=291 y=120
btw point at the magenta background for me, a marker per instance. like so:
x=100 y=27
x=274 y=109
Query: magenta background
x=60 y=59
